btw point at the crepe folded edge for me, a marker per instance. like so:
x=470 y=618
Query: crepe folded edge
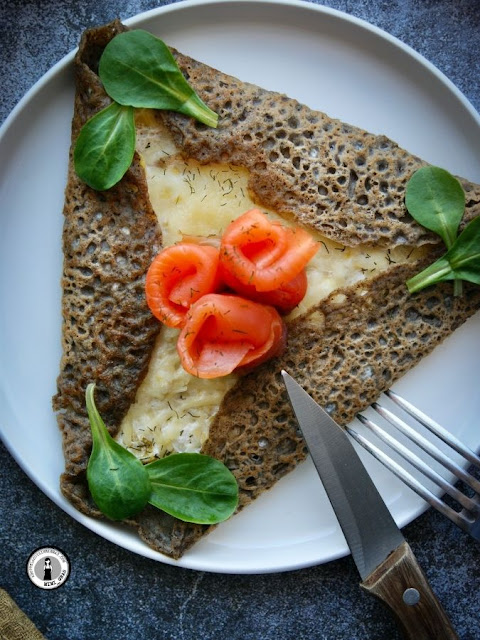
x=109 y=239
x=345 y=351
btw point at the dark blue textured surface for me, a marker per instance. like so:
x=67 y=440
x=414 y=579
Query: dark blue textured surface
x=113 y=594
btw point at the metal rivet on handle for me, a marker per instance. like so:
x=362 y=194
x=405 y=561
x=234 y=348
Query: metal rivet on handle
x=411 y=596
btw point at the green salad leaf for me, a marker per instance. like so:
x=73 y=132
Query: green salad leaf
x=118 y=481
x=461 y=262
x=105 y=147
x=193 y=487
x=189 y=486
x=138 y=69
x=436 y=199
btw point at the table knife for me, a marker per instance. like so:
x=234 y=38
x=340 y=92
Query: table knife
x=386 y=563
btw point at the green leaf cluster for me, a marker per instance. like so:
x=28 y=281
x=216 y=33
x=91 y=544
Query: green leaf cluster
x=137 y=71
x=189 y=486
x=436 y=200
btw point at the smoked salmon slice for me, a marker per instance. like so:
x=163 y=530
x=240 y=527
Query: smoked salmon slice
x=284 y=299
x=223 y=333
x=263 y=253
x=262 y=261
x=179 y=276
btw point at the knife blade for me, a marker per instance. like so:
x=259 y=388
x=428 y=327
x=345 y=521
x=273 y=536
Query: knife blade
x=386 y=563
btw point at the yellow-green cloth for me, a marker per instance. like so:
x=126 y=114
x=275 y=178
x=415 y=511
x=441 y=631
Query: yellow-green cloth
x=14 y=624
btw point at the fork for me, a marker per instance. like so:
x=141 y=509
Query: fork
x=468 y=518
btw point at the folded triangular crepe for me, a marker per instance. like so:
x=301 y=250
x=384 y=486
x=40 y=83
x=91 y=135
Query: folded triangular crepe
x=339 y=181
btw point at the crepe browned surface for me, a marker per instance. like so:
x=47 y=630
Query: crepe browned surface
x=109 y=240
x=343 y=181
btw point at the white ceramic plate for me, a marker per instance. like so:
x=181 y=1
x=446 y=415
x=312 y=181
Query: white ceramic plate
x=326 y=59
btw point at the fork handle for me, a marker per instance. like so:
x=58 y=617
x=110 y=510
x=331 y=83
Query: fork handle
x=390 y=582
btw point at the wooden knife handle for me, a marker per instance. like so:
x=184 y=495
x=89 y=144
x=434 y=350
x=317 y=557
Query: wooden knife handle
x=400 y=580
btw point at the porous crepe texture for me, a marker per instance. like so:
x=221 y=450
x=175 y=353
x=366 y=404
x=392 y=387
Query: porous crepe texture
x=109 y=240
x=343 y=181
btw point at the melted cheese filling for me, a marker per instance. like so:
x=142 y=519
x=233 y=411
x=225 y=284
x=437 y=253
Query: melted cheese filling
x=173 y=410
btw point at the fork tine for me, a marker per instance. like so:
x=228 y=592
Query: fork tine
x=427 y=446
x=468 y=518
x=459 y=519
x=434 y=427
x=419 y=464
